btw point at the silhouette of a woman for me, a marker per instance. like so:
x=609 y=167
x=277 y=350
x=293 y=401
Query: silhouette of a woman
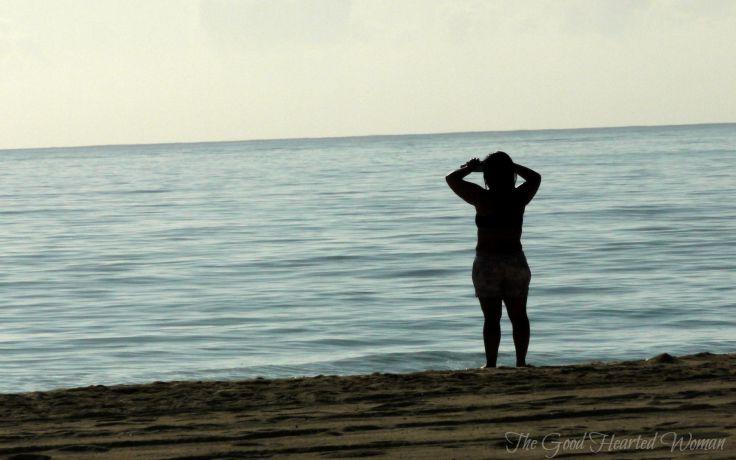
x=500 y=269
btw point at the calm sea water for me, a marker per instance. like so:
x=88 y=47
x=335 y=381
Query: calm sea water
x=338 y=256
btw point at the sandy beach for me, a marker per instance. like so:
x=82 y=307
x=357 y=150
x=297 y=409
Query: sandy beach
x=658 y=408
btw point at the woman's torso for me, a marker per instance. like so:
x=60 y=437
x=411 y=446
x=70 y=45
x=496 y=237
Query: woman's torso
x=499 y=218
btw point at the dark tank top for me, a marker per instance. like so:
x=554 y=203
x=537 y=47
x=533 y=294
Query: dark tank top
x=507 y=218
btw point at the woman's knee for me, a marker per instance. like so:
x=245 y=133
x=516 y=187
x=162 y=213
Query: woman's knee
x=518 y=318
x=491 y=307
x=516 y=309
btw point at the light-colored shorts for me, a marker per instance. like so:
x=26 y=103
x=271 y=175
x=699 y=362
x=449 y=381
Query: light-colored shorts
x=501 y=275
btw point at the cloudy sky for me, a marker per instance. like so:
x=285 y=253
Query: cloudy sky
x=108 y=72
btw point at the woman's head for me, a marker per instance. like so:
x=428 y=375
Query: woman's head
x=498 y=171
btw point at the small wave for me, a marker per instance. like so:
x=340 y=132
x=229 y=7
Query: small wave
x=364 y=364
x=135 y=191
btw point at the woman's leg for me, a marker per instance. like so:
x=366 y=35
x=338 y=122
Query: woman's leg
x=516 y=309
x=491 y=307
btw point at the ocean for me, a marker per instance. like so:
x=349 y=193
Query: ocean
x=283 y=258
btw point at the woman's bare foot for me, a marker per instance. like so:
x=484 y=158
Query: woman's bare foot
x=488 y=366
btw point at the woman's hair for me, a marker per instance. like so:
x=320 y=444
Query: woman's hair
x=499 y=172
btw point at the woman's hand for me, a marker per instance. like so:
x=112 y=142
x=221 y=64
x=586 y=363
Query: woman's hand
x=471 y=166
x=474 y=164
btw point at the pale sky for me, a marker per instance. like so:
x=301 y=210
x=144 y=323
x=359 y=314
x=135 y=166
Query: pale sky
x=110 y=72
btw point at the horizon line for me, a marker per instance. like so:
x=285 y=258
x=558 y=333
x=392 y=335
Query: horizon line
x=86 y=146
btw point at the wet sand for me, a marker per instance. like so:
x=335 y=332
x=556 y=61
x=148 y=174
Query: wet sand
x=688 y=401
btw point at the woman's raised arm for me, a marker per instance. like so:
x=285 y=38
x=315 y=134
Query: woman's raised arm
x=532 y=180
x=468 y=191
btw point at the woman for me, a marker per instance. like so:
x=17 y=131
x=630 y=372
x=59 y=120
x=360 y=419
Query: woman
x=500 y=269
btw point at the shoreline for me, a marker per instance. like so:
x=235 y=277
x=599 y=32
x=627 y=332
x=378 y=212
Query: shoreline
x=474 y=413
